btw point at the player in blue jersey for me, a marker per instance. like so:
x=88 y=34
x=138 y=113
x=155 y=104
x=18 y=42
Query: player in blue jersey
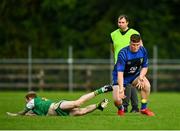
x=131 y=69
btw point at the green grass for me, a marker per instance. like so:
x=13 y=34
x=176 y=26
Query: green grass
x=165 y=105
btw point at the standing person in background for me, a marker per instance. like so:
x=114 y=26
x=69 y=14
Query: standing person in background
x=120 y=39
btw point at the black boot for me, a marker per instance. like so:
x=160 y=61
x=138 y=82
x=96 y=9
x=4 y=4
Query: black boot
x=125 y=109
x=134 y=109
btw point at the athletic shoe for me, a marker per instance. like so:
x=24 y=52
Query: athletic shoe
x=134 y=110
x=125 y=109
x=120 y=112
x=107 y=88
x=147 y=112
x=102 y=104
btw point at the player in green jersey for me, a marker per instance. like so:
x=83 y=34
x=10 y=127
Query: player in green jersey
x=44 y=107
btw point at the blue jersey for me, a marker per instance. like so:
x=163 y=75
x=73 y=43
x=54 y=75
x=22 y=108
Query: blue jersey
x=130 y=63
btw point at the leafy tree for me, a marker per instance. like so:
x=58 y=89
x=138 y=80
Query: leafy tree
x=51 y=26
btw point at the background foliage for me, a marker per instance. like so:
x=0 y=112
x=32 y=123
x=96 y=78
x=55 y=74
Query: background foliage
x=51 y=26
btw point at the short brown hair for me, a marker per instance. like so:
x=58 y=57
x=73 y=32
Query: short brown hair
x=31 y=94
x=135 y=38
x=124 y=16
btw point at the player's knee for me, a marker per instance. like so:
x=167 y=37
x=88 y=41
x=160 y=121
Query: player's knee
x=147 y=87
x=117 y=102
x=77 y=103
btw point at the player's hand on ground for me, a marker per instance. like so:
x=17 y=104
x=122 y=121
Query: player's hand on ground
x=11 y=114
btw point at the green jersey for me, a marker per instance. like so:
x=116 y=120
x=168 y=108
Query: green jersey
x=121 y=40
x=39 y=106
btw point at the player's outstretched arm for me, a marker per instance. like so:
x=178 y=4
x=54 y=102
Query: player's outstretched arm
x=11 y=114
x=23 y=112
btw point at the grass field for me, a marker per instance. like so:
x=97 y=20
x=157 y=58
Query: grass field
x=165 y=105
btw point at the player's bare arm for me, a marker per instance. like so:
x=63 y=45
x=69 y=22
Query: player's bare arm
x=23 y=112
x=120 y=83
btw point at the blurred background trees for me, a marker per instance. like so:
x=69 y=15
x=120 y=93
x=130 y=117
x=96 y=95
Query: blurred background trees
x=50 y=26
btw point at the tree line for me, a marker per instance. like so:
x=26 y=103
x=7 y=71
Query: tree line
x=50 y=26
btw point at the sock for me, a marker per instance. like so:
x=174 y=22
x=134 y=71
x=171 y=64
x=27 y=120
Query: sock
x=97 y=104
x=98 y=91
x=143 y=104
x=121 y=107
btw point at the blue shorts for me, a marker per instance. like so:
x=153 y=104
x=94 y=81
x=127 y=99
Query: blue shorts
x=127 y=80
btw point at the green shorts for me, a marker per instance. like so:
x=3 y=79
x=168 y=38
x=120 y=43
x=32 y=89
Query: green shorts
x=61 y=112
